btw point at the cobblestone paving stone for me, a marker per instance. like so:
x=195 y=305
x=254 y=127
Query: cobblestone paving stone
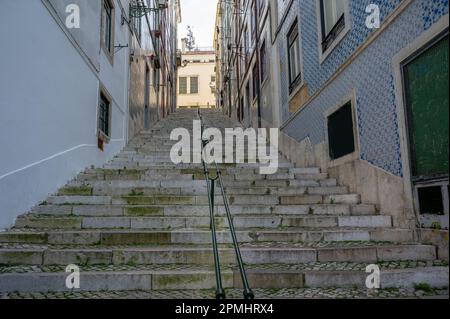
x=305 y=266
x=287 y=293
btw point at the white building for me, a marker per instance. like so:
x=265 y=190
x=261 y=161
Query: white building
x=65 y=90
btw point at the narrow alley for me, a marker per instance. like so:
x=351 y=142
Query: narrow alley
x=101 y=195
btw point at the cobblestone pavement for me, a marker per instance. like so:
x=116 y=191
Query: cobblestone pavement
x=291 y=293
x=244 y=245
x=301 y=267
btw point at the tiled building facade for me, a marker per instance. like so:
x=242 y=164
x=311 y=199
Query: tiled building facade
x=315 y=56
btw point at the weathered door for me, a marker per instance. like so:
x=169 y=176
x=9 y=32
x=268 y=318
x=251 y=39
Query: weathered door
x=427 y=109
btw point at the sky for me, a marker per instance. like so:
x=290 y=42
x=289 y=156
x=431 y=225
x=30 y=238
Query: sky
x=201 y=16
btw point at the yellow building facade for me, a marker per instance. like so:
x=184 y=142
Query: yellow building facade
x=197 y=80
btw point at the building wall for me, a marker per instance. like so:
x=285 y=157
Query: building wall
x=377 y=169
x=50 y=84
x=361 y=67
x=162 y=92
x=204 y=69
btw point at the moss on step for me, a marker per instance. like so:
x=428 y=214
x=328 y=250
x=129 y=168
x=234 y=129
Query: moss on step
x=143 y=211
x=76 y=190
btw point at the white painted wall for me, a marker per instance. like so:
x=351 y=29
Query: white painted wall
x=49 y=93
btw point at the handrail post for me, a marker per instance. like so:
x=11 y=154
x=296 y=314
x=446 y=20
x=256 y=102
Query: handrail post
x=248 y=293
x=220 y=294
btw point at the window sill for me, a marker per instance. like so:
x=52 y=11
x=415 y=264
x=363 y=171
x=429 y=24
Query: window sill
x=105 y=138
x=109 y=55
x=296 y=88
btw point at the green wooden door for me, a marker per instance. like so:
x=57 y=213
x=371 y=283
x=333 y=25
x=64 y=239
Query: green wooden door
x=427 y=99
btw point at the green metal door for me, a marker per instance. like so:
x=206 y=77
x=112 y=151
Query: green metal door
x=427 y=103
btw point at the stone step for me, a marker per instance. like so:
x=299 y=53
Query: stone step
x=187 y=181
x=240 y=222
x=202 y=199
x=187 y=187
x=169 y=164
x=202 y=210
x=191 y=277
x=199 y=170
x=144 y=237
x=251 y=253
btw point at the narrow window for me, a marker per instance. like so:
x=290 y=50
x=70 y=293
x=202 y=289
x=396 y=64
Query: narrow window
x=183 y=85
x=254 y=81
x=431 y=200
x=341 y=137
x=246 y=45
x=107 y=20
x=293 y=57
x=104 y=118
x=332 y=14
x=194 y=85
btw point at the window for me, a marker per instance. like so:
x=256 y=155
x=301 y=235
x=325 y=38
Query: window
x=341 y=137
x=104 y=115
x=293 y=57
x=194 y=85
x=431 y=200
x=107 y=26
x=426 y=99
x=263 y=61
x=183 y=85
x=332 y=20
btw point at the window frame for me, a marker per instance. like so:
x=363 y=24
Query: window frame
x=294 y=82
x=190 y=85
x=255 y=71
x=350 y=98
x=339 y=36
x=263 y=67
x=108 y=48
x=179 y=85
x=102 y=118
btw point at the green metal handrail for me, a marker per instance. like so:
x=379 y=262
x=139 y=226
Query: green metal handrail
x=220 y=292
x=210 y=182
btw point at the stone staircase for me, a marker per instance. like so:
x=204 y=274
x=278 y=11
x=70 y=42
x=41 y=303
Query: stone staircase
x=141 y=223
